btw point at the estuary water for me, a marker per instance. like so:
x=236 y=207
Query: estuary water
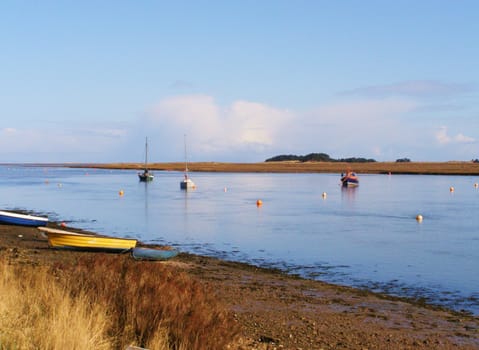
x=308 y=225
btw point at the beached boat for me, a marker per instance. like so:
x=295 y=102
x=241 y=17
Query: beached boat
x=349 y=179
x=79 y=241
x=146 y=175
x=186 y=183
x=7 y=217
x=141 y=253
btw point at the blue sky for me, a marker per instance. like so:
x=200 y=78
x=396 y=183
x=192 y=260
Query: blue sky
x=87 y=81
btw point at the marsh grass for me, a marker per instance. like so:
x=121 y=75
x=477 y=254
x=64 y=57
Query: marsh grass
x=431 y=168
x=37 y=312
x=144 y=300
x=109 y=302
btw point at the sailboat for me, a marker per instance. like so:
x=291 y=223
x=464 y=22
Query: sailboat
x=186 y=183
x=146 y=175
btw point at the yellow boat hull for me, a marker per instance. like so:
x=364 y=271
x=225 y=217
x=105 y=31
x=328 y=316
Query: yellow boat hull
x=71 y=240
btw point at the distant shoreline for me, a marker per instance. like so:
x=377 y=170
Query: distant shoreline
x=418 y=168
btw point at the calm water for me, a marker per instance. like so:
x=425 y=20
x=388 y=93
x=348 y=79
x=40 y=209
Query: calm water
x=364 y=237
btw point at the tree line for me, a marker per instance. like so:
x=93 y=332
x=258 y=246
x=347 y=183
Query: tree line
x=317 y=157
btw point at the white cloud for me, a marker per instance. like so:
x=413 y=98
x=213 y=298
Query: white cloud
x=256 y=123
x=250 y=131
x=388 y=128
x=460 y=138
x=214 y=130
x=443 y=138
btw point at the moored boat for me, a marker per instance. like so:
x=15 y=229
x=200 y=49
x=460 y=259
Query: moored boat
x=141 y=253
x=146 y=175
x=186 y=183
x=350 y=179
x=73 y=240
x=12 y=218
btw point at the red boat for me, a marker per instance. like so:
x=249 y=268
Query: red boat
x=350 y=179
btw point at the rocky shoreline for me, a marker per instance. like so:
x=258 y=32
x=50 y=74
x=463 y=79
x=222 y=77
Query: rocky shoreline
x=278 y=311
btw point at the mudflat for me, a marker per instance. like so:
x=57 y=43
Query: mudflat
x=278 y=311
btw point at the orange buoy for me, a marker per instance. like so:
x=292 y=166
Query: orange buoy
x=451 y=189
x=121 y=193
x=419 y=218
x=259 y=202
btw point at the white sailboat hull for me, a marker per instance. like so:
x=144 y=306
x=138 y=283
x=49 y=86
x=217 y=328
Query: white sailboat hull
x=187 y=184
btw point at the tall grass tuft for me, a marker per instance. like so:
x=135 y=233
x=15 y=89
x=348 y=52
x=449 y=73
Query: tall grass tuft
x=150 y=305
x=38 y=312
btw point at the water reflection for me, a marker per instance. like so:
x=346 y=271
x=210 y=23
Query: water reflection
x=348 y=194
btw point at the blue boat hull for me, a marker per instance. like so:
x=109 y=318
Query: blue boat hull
x=22 y=219
x=350 y=183
x=139 y=253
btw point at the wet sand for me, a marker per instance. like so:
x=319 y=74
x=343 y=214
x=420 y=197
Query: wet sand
x=277 y=311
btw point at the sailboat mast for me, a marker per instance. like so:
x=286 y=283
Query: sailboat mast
x=186 y=159
x=146 y=151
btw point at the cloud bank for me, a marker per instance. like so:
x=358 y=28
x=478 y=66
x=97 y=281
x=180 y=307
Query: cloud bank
x=384 y=122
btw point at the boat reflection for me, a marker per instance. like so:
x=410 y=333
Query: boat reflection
x=348 y=194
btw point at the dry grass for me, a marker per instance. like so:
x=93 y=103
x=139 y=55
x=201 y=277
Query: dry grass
x=454 y=168
x=152 y=306
x=108 y=302
x=36 y=313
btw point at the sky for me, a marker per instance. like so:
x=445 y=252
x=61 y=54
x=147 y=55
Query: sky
x=88 y=81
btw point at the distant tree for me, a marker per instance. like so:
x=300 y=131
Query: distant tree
x=316 y=157
x=403 y=160
x=356 y=160
x=284 y=158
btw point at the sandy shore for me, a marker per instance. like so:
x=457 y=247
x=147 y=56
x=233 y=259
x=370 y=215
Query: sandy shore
x=276 y=311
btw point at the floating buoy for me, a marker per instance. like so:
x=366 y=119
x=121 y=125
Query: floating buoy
x=60 y=185
x=121 y=193
x=225 y=189
x=63 y=224
x=476 y=185
x=418 y=217
x=324 y=195
x=451 y=189
x=259 y=203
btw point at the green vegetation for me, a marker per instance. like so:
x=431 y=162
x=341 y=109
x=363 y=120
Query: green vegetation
x=317 y=157
x=108 y=302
